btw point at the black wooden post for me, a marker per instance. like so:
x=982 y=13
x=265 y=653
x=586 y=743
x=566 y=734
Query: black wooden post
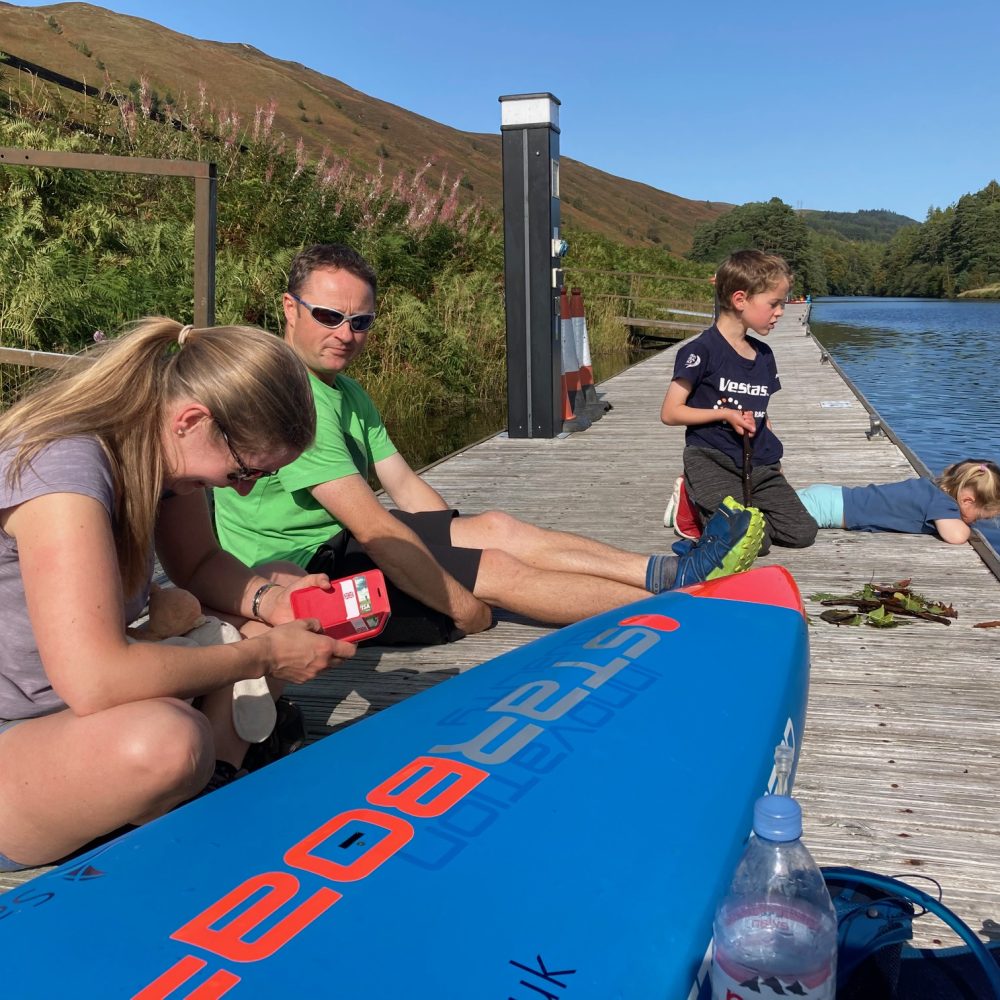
x=533 y=278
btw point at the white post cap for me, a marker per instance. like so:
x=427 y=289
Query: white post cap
x=519 y=110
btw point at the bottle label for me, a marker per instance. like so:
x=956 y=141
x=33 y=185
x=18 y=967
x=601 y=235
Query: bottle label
x=779 y=938
x=752 y=986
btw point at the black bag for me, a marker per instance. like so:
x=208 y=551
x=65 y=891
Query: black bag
x=875 y=916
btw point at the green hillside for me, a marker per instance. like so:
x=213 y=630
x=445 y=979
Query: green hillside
x=877 y=225
x=92 y=45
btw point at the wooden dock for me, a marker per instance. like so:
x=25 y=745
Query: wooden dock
x=900 y=766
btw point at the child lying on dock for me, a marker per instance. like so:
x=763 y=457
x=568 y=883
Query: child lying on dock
x=964 y=493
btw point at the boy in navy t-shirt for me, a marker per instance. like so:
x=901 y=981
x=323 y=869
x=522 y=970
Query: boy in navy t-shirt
x=722 y=383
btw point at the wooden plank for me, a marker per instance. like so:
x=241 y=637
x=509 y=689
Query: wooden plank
x=900 y=766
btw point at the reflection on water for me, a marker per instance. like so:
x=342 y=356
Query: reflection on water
x=428 y=437
x=928 y=366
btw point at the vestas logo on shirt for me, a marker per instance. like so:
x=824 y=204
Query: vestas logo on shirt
x=731 y=385
x=693 y=360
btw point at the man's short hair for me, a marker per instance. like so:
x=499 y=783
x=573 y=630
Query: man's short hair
x=750 y=271
x=336 y=257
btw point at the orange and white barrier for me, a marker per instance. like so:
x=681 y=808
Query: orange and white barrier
x=574 y=416
x=595 y=407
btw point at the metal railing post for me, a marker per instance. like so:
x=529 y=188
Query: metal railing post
x=205 y=216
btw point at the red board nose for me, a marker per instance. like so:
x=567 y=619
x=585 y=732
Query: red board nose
x=768 y=585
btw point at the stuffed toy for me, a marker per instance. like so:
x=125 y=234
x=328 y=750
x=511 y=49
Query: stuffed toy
x=175 y=617
x=172 y=612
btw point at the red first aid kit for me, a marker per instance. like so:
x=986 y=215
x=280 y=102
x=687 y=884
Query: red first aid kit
x=356 y=608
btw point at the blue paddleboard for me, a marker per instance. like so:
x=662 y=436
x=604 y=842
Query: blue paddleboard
x=557 y=822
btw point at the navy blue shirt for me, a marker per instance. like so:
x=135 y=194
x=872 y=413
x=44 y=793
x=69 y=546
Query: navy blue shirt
x=722 y=379
x=911 y=506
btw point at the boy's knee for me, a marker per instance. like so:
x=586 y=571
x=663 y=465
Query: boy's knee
x=799 y=535
x=802 y=541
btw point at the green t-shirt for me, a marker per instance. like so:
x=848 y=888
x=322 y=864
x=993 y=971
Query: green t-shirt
x=279 y=518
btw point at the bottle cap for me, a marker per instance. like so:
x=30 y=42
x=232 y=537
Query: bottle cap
x=777 y=817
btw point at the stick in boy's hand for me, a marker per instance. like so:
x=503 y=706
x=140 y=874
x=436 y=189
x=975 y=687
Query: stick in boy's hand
x=747 y=469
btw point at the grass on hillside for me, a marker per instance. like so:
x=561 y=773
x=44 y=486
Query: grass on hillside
x=90 y=44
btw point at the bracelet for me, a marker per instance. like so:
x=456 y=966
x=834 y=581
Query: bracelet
x=255 y=604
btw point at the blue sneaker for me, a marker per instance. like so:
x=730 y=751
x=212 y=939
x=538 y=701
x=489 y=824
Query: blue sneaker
x=729 y=544
x=682 y=546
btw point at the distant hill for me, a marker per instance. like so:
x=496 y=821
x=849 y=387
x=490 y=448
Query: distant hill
x=876 y=225
x=94 y=45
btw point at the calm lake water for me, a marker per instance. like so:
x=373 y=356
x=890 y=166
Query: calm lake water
x=928 y=366
x=436 y=435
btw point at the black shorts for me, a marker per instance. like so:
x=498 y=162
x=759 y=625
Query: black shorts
x=411 y=623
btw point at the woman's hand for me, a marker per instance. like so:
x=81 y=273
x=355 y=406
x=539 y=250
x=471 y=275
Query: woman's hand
x=298 y=651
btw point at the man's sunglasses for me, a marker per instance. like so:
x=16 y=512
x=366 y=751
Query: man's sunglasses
x=244 y=473
x=332 y=318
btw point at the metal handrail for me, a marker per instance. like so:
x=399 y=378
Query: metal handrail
x=202 y=173
x=38 y=359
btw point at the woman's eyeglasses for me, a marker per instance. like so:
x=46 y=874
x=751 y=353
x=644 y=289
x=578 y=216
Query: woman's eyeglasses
x=332 y=318
x=243 y=474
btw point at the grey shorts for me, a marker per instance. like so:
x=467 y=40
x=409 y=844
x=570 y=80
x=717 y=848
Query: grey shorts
x=9 y=723
x=6 y=864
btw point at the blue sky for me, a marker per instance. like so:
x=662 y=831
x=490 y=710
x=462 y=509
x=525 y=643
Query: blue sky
x=838 y=106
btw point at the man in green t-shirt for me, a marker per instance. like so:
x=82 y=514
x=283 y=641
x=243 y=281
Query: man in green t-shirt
x=444 y=571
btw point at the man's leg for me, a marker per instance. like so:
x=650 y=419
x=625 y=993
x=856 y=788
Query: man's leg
x=550 y=551
x=562 y=578
x=547 y=590
x=505 y=581
x=729 y=544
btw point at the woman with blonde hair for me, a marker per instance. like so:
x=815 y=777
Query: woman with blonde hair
x=96 y=468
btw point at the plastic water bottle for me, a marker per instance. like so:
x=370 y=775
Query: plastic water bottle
x=776 y=929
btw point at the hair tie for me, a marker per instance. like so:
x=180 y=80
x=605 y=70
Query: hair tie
x=982 y=468
x=182 y=336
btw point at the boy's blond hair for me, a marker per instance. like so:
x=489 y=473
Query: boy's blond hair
x=750 y=271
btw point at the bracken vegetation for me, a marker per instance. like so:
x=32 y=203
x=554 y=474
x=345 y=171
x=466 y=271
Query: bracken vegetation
x=83 y=251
